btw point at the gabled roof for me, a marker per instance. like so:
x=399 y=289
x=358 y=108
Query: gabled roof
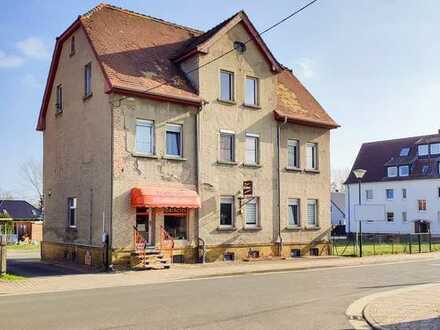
x=201 y=43
x=374 y=157
x=134 y=52
x=19 y=209
x=297 y=105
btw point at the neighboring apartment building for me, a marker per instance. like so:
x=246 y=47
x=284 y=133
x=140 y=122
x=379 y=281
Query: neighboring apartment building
x=131 y=141
x=403 y=177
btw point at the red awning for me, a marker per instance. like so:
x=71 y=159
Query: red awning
x=160 y=197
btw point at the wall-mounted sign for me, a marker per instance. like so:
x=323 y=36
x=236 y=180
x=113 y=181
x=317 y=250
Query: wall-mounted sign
x=247 y=188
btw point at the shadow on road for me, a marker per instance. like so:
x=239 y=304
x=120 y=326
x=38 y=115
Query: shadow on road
x=29 y=264
x=432 y=323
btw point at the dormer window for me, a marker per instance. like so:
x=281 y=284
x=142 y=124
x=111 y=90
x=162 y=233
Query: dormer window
x=404 y=152
x=392 y=171
x=72 y=46
x=404 y=170
x=423 y=150
x=435 y=149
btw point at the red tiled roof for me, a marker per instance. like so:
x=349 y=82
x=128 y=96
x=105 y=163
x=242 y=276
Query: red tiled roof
x=374 y=157
x=297 y=105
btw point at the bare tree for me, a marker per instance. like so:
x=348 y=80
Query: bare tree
x=4 y=194
x=338 y=178
x=32 y=174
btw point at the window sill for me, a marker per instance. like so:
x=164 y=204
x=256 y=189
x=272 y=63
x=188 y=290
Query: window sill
x=292 y=228
x=257 y=228
x=176 y=158
x=293 y=169
x=223 y=162
x=135 y=154
x=58 y=112
x=312 y=228
x=71 y=229
x=252 y=106
x=227 y=102
x=312 y=171
x=226 y=229
x=251 y=165
x=86 y=97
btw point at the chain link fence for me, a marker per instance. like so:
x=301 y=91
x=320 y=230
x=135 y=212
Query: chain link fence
x=379 y=244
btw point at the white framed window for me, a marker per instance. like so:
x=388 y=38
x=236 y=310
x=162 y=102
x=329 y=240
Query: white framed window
x=88 y=79
x=404 y=151
x=390 y=216
x=369 y=194
x=435 y=149
x=71 y=211
x=312 y=212
x=404 y=216
x=226 y=211
x=292 y=153
x=227 y=146
x=251 y=212
x=251 y=96
x=173 y=136
x=404 y=170
x=392 y=171
x=312 y=156
x=404 y=193
x=421 y=205
x=423 y=150
x=252 y=149
x=389 y=193
x=59 y=101
x=144 y=137
x=293 y=215
x=226 y=85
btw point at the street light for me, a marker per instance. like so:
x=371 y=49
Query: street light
x=359 y=174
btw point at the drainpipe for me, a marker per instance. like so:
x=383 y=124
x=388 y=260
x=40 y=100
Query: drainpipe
x=198 y=170
x=279 y=125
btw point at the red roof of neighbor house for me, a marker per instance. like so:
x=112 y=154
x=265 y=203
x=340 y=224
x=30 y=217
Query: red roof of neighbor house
x=375 y=157
x=297 y=105
x=138 y=54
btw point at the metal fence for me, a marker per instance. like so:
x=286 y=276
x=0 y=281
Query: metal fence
x=378 y=244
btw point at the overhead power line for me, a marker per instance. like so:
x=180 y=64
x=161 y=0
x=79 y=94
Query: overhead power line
x=296 y=12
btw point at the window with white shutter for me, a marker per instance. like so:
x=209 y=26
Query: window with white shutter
x=252 y=149
x=312 y=156
x=251 y=209
x=293 y=213
x=144 y=137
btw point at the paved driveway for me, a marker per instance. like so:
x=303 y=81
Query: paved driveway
x=28 y=264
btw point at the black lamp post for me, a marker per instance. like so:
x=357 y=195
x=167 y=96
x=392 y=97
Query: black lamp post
x=359 y=174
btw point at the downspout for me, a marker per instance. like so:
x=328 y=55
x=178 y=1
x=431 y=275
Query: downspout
x=280 y=238
x=198 y=173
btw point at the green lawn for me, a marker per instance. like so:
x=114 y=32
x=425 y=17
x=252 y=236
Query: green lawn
x=344 y=248
x=28 y=247
x=11 y=278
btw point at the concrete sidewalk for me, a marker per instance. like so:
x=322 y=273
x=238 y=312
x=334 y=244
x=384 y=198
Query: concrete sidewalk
x=411 y=308
x=179 y=272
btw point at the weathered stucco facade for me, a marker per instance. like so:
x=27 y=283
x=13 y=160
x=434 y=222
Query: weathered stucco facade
x=90 y=150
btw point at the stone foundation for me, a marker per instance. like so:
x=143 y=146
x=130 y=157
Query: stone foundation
x=91 y=256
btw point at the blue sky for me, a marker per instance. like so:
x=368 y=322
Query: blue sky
x=372 y=64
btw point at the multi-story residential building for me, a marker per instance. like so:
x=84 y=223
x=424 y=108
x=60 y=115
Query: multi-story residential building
x=403 y=179
x=151 y=131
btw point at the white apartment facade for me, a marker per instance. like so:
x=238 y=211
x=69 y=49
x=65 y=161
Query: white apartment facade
x=403 y=178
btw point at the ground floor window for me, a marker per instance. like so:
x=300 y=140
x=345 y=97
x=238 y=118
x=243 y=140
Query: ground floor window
x=251 y=212
x=293 y=219
x=226 y=211
x=176 y=226
x=312 y=212
x=71 y=211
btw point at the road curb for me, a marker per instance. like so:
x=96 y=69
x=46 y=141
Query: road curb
x=359 y=316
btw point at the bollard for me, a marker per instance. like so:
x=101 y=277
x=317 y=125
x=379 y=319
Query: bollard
x=2 y=255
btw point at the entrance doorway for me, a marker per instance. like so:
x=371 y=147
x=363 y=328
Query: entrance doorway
x=143 y=224
x=421 y=227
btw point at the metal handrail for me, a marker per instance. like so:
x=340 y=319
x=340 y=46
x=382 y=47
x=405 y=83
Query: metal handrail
x=166 y=242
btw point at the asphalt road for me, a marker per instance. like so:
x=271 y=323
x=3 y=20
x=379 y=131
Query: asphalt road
x=315 y=299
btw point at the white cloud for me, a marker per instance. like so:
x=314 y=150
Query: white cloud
x=33 y=47
x=10 y=61
x=305 y=68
